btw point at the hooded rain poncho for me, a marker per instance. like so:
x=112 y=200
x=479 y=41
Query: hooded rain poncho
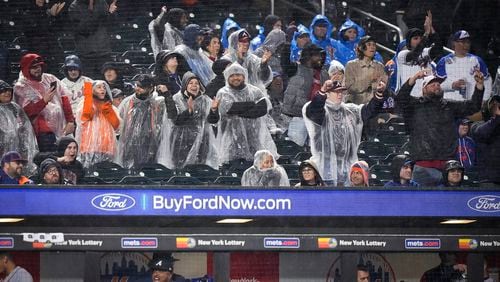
x=192 y=141
x=96 y=129
x=294 y=48
x=273 y=40
x=334 y=144
x=16 y=133
x=140 y=130
x=241 y=137
x=267 y=177
x=199 y=63
x=27 y=91
x=257 y=76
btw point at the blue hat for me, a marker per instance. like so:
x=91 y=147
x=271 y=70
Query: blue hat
x=72 y=61
x=461 y=35
x=12 y=156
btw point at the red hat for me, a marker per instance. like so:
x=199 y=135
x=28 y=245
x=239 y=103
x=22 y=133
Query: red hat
x=28 y=61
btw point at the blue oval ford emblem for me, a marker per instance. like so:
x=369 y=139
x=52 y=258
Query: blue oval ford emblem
x=113 y=202
x=485 y=203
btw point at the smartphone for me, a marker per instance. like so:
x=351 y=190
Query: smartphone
x=53 y=84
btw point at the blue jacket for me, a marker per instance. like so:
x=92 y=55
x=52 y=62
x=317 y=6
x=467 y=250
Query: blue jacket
x=346 y=50
x=294 y=49
x=226 y=26
x=258 y=40
x=327 y=41
x=393 y=183
x=5 y=179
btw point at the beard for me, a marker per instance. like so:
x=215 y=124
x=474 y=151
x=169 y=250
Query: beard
x=239 y=87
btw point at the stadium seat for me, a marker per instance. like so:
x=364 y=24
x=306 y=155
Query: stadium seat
x=292 y=170
x=135 y=180
x=91 y=180
x=137 y=58
x=227 y=181
x=380 y=172
x=374 y=150
x=285 y=159
x=236 y=167
x=109 y=171
x=154 y=171
x=288 y=147
x=391 y=140
x=202 y=172
x=183 y=180
x=302 y=156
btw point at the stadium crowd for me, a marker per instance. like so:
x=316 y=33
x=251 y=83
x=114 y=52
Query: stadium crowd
x=293 y=105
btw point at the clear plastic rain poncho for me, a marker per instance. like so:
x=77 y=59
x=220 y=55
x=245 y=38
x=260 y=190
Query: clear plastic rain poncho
x=96 y=128
x=190 y=142
x=140 y=130
x=273 y=41
x=240 y=137
x=251 y=63
x=266 y=177
x=334 y=144
x=29 y=91
x=199 y=63
x=16 y=133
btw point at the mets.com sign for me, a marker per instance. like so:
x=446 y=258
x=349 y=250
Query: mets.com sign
x=485 y=203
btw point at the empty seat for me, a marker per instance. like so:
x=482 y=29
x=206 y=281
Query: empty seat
x=374 y=150
x=136 y=180
x=154 y=171
x=91 y=180
x=292 y=170
x=302 y=156
x=109 y=171
x=288 y=147
x=236 y=167
x=204 y=173
x=183 y=180
x=227 y=181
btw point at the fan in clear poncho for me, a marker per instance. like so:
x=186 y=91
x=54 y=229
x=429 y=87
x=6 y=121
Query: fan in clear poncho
x=242 y=126
x=16 y=132
x=98 y=121
x=273 y=42
x=199 y=63
x=259 y=72
x=140 y=131
x=335 y=129
x=265 y=172
x=188 y=138
x=45 y=100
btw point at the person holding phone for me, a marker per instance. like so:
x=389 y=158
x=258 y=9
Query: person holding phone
x=45 y=100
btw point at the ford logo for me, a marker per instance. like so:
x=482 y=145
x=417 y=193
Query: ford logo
x=486 y=203
x=113 y=202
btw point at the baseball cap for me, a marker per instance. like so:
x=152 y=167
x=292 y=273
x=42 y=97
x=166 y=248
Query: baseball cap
x=338 y=86
x=244 y=36
x=429 y=79
x=465 y=121
x=461 y=35
x=145 y=81
x=162 y=262
x=12 y=156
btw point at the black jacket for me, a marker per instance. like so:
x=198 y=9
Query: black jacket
x=487 y=136
x=431 y=122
